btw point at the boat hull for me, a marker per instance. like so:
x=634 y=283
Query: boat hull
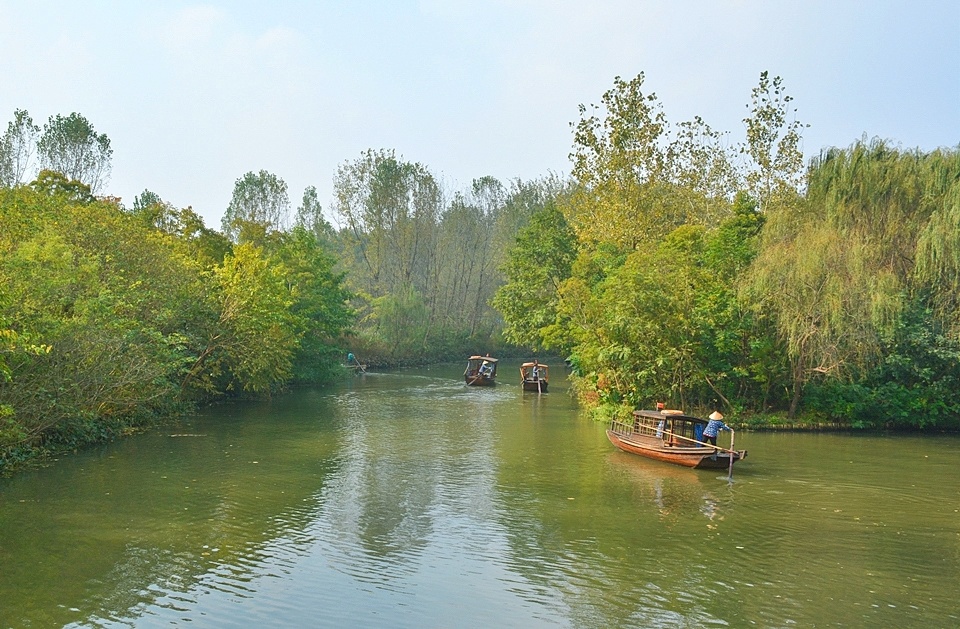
x=479 y=381
x=698 y=457
x=535 y=385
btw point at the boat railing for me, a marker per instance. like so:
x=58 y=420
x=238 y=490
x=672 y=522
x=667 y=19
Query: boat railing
x=621 y=427
x=638 y=426
x=690 y=442
x=634 y=427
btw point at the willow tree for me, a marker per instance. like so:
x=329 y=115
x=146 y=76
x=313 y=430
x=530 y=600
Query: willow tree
x=838 y=268
x=938 y=254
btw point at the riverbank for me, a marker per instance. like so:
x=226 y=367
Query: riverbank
x=774 y=422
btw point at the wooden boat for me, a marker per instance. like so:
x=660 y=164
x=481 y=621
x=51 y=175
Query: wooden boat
x=481 y=371
x=671 y=436
x=533 y=377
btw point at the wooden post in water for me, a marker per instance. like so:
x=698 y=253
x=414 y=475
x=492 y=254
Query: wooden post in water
x=732 y=454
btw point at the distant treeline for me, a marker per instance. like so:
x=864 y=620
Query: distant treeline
x=673 y=265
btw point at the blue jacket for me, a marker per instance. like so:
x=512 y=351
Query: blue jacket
x=713 y=427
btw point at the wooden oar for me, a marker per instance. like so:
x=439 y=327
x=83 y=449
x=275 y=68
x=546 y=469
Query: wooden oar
x=701 y=443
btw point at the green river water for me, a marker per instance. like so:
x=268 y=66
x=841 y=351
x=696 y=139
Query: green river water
x=407 y=499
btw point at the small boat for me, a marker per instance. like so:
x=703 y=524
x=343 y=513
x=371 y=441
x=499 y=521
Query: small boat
x=671 y=436
x=481 y=371
x=533 y=377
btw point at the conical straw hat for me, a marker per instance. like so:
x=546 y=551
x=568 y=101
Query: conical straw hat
x=716 y=415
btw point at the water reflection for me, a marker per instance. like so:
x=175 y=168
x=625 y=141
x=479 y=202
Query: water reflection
x=675 y=492
x=120 y=528
x=411 y=500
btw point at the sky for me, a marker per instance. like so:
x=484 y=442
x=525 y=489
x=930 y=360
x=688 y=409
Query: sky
x=194 y=95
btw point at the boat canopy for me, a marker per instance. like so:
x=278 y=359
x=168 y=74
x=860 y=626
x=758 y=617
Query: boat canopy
x=489 y=359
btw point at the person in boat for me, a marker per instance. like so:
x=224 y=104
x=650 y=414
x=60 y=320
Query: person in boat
x=485 y=368
x=713 y=427
x=536 y=370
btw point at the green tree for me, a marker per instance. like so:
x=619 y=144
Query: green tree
x=773 y=142
x=17 y=147
x=838 y=269
x=71 y=147
x=260 y=206
x=390 y=209
x=539 y=262
x=310 y=215
x=145 y=200
x=618 y=161
x=638 y=178
x=320 y=304
x=55 y=184
x=104 y=295
x=250 y=346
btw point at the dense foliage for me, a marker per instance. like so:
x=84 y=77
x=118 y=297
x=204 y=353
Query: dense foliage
x=706 y=276
x=674 y=265
x=112 y=317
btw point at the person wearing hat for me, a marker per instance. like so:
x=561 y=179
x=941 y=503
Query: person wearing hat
x=714 y=426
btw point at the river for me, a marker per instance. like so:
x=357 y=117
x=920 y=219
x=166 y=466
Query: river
x=407 y=499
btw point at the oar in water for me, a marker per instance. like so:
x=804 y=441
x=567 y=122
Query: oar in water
x=475 y=378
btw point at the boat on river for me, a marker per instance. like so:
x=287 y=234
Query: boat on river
x=671 y=436
x=534 y=377
x=481 y=371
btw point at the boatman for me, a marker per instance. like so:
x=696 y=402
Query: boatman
x=714 y=426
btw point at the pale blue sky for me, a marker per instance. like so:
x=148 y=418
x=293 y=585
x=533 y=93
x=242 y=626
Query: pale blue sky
x=194 y=95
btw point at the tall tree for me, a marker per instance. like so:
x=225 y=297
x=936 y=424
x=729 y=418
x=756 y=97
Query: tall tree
x=773 y=143
x=310 y=215
x=71 y=147
x=259 y=207
x=638 y=178
x=17 y=147
x=389 y=208
x=320 y=303
x=617 y=161
x=540 y=261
